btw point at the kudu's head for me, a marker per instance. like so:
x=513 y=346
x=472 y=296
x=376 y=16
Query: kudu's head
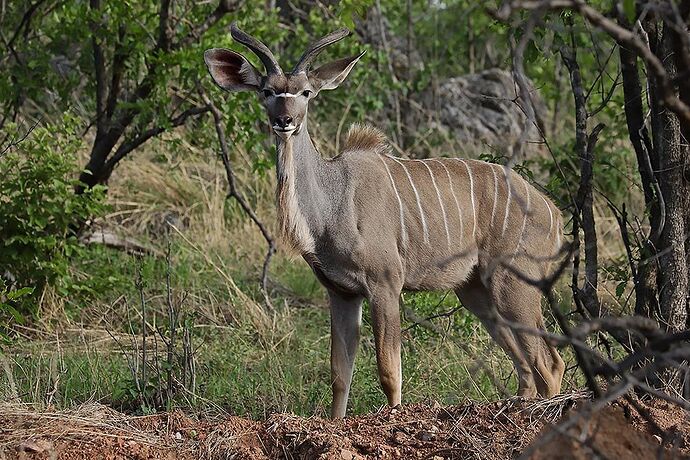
x=285 y=96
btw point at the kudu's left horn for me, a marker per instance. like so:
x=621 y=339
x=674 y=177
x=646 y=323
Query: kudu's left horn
x=269 y=61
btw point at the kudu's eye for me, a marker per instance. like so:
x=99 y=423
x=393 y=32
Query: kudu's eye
x=268 y=92
x=306 y=93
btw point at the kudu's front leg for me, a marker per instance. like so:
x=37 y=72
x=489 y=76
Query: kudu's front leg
x=346 y=318
x=385 y=314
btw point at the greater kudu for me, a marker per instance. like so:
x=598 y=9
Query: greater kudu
x=370 y=225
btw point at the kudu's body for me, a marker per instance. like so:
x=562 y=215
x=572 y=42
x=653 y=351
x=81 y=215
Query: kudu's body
x=370 y=225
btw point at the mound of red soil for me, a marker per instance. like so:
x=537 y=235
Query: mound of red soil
x=499 y=430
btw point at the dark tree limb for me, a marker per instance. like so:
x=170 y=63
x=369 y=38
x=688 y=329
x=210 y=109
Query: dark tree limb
x=164 y=26
x=118 y=69
x=235 y=193
x=99 y=65
x=123 y=110
x=129 y=145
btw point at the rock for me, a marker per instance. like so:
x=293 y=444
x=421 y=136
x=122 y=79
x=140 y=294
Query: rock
x=480 y=112
x=36 y=446
x=347 y=455
x=375 y=30
x=425 y=436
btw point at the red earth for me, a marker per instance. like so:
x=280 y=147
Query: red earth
x=498 y=430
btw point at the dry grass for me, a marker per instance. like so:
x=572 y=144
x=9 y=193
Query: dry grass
x=82 y=422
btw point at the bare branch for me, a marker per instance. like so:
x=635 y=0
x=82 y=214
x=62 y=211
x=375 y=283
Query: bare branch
x=235 y=193
x=17 y=141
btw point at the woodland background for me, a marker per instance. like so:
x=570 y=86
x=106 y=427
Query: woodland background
x=133 y=273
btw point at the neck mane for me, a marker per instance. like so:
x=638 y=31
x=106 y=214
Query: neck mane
x=301 y=195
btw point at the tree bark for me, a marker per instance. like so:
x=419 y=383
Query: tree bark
x=646 y=301
x=673 y=282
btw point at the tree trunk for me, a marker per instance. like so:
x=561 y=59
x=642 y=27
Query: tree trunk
x=674 y=157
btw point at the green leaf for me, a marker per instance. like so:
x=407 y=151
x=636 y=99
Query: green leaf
x=18 y=317
x=621 y=288
x=12 y=295
x=629 y=9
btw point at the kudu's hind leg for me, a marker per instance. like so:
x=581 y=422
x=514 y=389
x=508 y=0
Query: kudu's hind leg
x=520 y=303
x=385 y=315
x=346 y=318
x=478 y=299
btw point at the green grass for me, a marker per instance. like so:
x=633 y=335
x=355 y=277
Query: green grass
x=239 y=368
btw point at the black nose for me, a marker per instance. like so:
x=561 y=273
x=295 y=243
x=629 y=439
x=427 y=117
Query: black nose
x=283 y=122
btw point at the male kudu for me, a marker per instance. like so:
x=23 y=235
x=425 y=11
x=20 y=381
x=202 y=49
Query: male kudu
x=370 y=225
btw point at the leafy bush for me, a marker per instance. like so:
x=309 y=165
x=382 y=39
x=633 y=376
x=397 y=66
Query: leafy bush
x=39 y=211
x=8 y=313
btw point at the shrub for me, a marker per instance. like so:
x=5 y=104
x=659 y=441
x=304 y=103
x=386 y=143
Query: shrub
x=39 y=211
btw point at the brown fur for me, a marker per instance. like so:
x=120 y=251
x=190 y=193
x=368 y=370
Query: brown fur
x=366 y=137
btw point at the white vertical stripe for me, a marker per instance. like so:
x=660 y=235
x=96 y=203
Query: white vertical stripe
x=550 y=214
x=416 y=194
x=397 y=195
x=474 y=208
x=508 y=184
x=493 y=206
x=524 y=221
x=452 y=192
x=440 y=200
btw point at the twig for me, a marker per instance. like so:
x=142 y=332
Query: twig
x=16 y=142
x=235 y=193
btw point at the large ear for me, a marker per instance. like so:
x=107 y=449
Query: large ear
x=330 y=75
x=231 y=71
